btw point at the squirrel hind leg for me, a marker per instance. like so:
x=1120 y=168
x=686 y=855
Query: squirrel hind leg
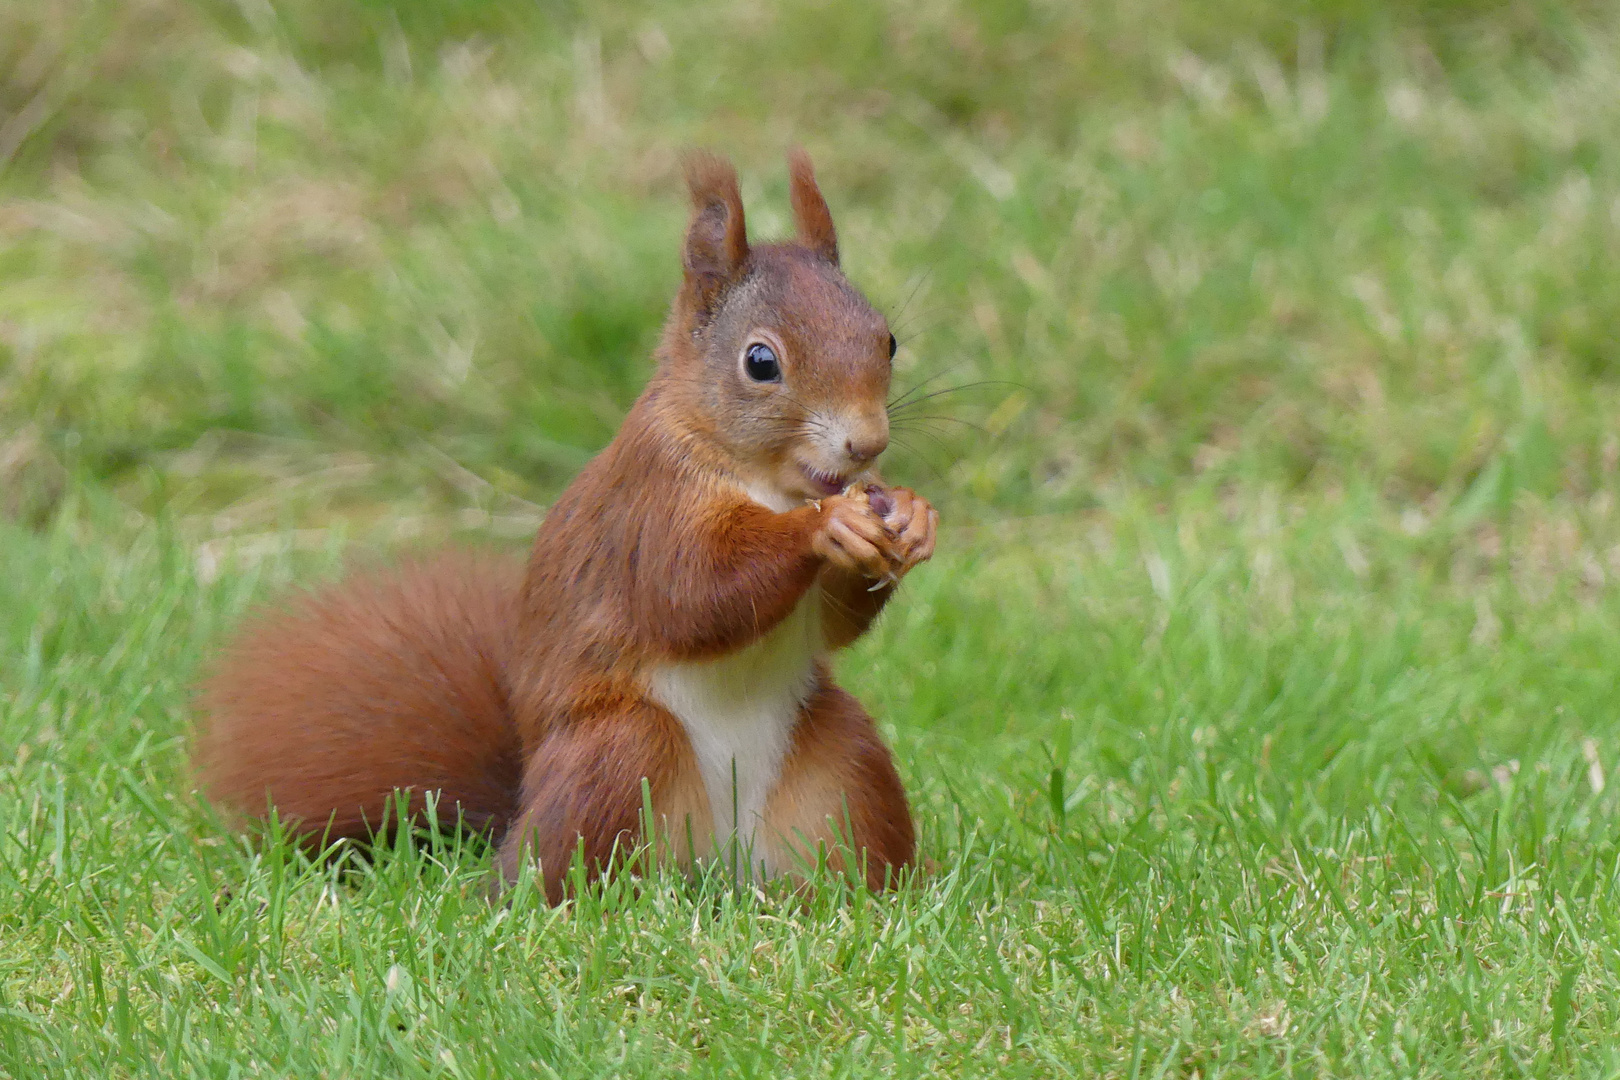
x=839 y=798
x=391 y=681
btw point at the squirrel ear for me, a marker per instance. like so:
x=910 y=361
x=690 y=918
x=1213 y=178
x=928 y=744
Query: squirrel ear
x=717 y=238
x=810 y=213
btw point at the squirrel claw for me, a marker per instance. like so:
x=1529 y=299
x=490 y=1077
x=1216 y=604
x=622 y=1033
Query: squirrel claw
x=883 y=582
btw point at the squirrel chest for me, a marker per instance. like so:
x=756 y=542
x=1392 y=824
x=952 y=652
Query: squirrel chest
x=739 y=712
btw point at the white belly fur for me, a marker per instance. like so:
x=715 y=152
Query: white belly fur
x=740 y=710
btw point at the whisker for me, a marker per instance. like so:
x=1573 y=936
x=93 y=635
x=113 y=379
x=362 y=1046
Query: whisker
x=922 y=457
x=932 y=378
x=934 y=438
x=809 y=413
x=911 y=419
x=905 y=325
x=799 y=421
x=844 y=609
x=952 y=390
x=917 y=283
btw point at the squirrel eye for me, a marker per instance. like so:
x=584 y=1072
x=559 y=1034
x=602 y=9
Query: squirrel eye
x=893 y=346
x=761 y=364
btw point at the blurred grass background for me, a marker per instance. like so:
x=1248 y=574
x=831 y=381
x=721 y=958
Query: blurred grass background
x=287 y=263
x=1259 y=708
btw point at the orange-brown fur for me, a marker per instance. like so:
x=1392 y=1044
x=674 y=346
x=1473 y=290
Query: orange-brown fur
x=527 y=703
x=838 y=792
x=396 y=681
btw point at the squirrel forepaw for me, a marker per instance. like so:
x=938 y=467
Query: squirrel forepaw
x=853 y=538
x=877 y=533
x=913 y=522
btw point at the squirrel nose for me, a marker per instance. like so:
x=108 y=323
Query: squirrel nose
x=866 y=447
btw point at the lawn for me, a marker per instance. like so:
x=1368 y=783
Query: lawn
x=1259 y=711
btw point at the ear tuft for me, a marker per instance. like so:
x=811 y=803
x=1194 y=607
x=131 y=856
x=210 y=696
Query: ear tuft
x=810 y=214
x=717 y=238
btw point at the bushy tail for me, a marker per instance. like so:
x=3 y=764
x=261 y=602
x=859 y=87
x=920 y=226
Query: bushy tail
x=394 y=680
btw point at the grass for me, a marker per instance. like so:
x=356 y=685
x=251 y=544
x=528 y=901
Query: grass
x=348 y=245
x=1258 y=712
x=1250 y=792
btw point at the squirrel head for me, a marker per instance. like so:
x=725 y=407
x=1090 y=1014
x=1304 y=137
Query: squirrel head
x=773 y=357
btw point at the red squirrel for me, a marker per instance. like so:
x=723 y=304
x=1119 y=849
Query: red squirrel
x=672 y=626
